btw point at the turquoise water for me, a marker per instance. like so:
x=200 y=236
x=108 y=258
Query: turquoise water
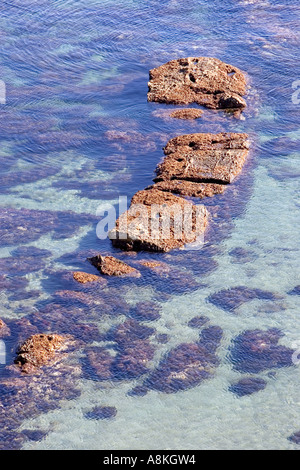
x=76 y=133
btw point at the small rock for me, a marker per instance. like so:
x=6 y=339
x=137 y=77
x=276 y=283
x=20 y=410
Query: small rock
x=84 y=278
x=248 y=386
x=101 y=412
x=110 y=266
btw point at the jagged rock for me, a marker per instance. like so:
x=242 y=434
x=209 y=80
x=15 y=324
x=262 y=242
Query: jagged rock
x=111 y=266
x=38 y=350
x=154 y=223
x=84 y=278
x=206 y=81
x=189 y=188
x=248 y=386
x=188 y=113
x=210 y=158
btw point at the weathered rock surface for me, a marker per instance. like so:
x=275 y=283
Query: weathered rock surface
x=38 y=350
x=206 y=81
x=110 y=266
x=189 y=188
x=210 y=158
x=188 y=113
x=85 y=278
x=154 y=222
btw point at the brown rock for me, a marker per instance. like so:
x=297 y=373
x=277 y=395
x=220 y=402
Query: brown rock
x=84 y=278
x=159 y=221
x=206 y=81
x=189 y=188
x=217 y=158
x=188 y=113
x=111 y=266
x=38 y=350
x=4 y=330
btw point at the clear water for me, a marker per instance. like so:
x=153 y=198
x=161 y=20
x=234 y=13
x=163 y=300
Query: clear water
x=75 y=70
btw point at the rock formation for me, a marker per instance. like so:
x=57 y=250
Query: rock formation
x=206 y=81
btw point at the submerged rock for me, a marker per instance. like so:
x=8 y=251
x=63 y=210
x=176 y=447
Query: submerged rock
x=198 y=322
x=248 y=386
x=255 y=350
x=230 y=299
x=4 y=330
x=295 y=438
x=110 y=266
x=154 y=222
x=206 y=81
x=188 y=113
x=98 y=363
x=133 y=359
x=101 y=412
x=201 y=158
x=295 y=291
x=146 y=311
x=38 y=350
x=187 y=365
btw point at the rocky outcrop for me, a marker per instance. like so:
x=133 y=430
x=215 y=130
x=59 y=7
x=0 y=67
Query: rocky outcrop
x=38 y=350
x=201 y=158
x=206 y=81
x=110 y=266
x=187 y=113
x=154 y=222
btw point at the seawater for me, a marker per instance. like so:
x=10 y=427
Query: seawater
x=73 y=72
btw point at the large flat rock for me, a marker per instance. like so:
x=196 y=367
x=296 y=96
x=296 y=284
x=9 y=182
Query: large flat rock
x=159 y=221
x=204 y=158
x=203 y=80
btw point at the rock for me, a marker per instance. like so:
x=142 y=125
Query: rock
x=230 y=299
x=154 y=222
x=146 y=311
x=188 y=113
x=34 y=435
x=242 y=255
x=295 y=291
x=4 y=330
x=248 y=386
x=101 y=412
x=206 y=81
x=295 y=438
x=210 y=158
x=98 y=363
x=198 y=322
x=187 y=365
x=132 y=360
x=255 y=351
x=110 y=266
x=189 y=188
x=38 y=350
x=129 y=332
x=84 y=278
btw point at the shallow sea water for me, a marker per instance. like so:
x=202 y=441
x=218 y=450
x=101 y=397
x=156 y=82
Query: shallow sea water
x=77 y=73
